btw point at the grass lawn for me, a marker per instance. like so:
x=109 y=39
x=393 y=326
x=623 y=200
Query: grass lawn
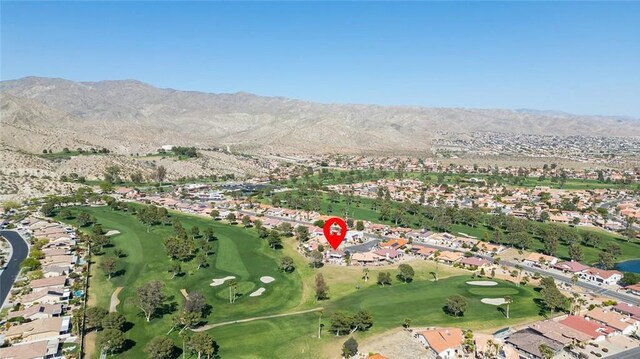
x=355 y=176
x=363 y=211
x=245 y=256
x=239 y=252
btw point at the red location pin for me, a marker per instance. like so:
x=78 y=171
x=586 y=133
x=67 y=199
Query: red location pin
x=333 y=236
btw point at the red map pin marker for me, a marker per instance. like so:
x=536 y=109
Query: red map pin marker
x=333 y=236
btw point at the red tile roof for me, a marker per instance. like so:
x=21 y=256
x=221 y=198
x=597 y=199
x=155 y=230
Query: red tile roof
x=582 y=325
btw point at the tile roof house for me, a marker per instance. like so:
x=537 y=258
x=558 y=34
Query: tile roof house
x=597 y=275
x=614 y=320
x=534 y=259
x=37 y=350
x=633 y=289
x=45 y=296
x=51 y=282
x=450 y=257
x=388 y=254
x=38 y=311
x=628 y=309
x=444 y=342
x=571 y=267
x=394 y=243
x=41 y=329
x=559 y=332
x=529 y=341
x=474 y=261
x=594 y=330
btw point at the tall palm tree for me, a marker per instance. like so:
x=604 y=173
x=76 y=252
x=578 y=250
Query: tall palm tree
x=436 y=255
x=508 y=300
x=365 y=274
x=233 y=286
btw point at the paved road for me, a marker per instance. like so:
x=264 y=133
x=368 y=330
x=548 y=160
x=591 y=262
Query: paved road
x=9 y=274
x=628 y=298
x=629 y=354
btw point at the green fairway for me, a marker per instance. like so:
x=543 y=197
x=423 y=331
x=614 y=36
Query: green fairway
x=245 y=256
x=361 y=208
x=334 y=176
x=240 y=253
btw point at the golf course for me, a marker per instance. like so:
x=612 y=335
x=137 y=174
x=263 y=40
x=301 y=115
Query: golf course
x=238 y=252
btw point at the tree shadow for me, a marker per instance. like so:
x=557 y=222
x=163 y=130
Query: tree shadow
x=127 y=326
x=128 y=344
x=502 y=310
x=448 y=311
x=119 y=273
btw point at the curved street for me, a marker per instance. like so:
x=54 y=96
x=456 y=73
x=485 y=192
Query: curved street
x=10 y=272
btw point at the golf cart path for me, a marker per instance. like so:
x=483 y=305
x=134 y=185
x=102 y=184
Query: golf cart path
x=215 y=325
x=114 y=300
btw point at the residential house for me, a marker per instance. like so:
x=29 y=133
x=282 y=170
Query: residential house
x=366 y=258
x=633 y=289
x=628 y=310
x=538 y=259
x=48 y=283
x=450 y=257
x=559 y=332
x=595 y=331
x=38 y=311
x=477 y=262
x=571 y=267
x=35 y=350
x=389 y=254
x=45 y=296
x=41 y=329
x=396 y=244
x=529 y=341
x=614 y=320
x=597 y=275
x=444 y=342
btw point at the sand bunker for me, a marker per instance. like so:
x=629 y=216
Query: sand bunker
x=267 y=279
x=257 y=292
x=483 y=283
x=112 y=232
x=493 y=301
x=220 y=281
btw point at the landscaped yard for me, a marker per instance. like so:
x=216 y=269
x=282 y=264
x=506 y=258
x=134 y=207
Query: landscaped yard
x=239 y=252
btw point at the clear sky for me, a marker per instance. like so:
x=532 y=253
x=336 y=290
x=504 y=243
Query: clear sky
x=577 y=57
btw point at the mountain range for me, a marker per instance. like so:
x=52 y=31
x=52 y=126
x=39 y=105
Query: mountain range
x=130 y=116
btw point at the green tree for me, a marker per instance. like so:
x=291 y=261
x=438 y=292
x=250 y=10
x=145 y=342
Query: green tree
x=340 y=322
x=349 y=348
x=161 y=347
x=111 y=340
x=150 y=298
x=359 y=226
x=316 y=259
x=203 y=343
x=606 y=259
x=109 y=265
x=113 y=320
x=456 y=305
x=384 y=278
x=287 y=264
x=406 y=272
x=575 y=252
x=321 y=287
x=93 y=317
x=302 y=233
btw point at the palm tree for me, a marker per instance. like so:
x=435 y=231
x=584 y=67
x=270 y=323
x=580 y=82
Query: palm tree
x=581 y=302
x=574 y=279
x=508 y=300
x=545 y=351
x=365 y=274
x=436 y=254
x=233 y=286
x=519 y=269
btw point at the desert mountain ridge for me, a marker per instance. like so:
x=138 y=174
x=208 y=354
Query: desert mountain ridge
x=129 y=116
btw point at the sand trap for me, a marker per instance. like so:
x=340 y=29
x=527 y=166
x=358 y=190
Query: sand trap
x=257 y=292
x=483 y=283
x=220 y=281
x=184 y=293
x=112 y=232
x=267 y=279
x=493 y=301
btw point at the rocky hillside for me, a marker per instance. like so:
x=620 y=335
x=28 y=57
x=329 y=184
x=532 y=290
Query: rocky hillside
x=130 y=116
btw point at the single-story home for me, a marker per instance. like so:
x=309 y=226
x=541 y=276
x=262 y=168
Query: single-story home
x=35 y=350
x=571 y=267
x=38 y=311
x=614 y=320
x=450 y=257
x=474 y=262
x=597 y=275
x=538 y=259
x=444 y=342
x=41 y=329
x=595 y=331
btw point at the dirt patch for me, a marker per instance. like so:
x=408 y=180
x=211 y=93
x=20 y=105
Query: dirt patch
x=90 y=345
x=396 y=343
x=114 y=300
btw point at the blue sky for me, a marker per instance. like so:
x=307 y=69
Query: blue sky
x=576 y=57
